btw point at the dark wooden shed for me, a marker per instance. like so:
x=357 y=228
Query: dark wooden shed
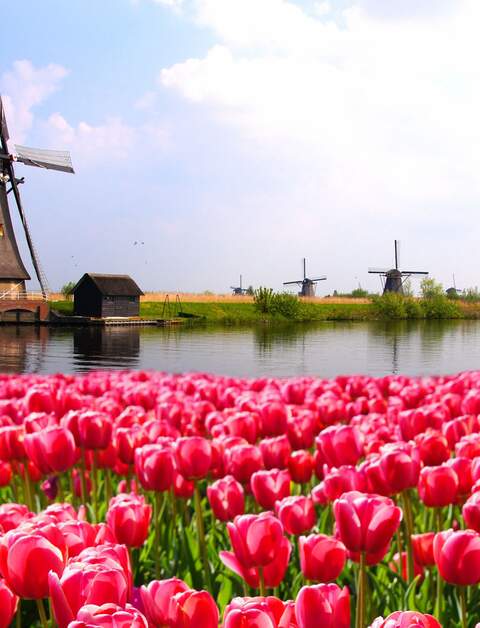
x=101 y=296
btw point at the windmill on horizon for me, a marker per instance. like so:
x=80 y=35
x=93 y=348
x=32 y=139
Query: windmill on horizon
x=393 y=279
x=307 y=285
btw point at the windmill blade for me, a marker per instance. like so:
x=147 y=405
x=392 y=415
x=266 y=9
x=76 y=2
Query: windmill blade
x=380 y=271
x=42 y=280
x=414 y=272
x=42 y=158
x=3 y=123
x=288 y=283
x=319 y=279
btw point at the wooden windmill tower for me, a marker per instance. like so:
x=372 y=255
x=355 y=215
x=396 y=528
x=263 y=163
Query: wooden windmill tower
x=393 y=279
x=13 y=273
x=307 y=286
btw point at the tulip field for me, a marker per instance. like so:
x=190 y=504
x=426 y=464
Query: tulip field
x=196 y=501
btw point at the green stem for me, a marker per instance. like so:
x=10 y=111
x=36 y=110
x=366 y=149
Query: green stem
x=158 y=498
x=18 y=615
x=438 y=602
x=42 y=614
x=409 y=531
x=108 y=485
x=261 y=577
x=27 y=487
x=463 y=606
x=83 y=483
x=201 y=537
x=360 y=616
x=94 y=486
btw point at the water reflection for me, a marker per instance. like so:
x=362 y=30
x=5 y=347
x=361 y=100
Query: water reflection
x=117 y=346
x=326 y=349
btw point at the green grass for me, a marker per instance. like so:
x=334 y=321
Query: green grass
x=245 y=313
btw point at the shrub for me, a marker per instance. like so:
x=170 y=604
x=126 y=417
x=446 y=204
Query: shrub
x=390 y=305
x=431 y=289
x=288 y=305
x=263 y=299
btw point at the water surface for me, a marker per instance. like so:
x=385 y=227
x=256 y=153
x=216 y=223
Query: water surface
x=325 y=349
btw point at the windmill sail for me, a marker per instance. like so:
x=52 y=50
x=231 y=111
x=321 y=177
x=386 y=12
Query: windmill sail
x=42 y=158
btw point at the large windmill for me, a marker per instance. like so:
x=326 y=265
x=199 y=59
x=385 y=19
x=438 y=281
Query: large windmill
x=307 y=286
x=393 y=279
x=13 y=273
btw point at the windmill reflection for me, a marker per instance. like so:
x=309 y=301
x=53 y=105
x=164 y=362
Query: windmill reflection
x=23 y=348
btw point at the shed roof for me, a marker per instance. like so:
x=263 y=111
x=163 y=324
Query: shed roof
x=112 y=285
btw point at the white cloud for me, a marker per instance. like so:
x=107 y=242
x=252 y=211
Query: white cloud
x=24 y=88
x=113 y=139
x=387 y=106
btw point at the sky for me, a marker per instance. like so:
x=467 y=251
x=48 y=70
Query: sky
x=230 y=137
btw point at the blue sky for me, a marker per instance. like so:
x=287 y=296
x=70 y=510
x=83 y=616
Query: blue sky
x=237 y=136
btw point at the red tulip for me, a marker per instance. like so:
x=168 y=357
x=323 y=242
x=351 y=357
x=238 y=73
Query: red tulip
x=322 y=558
x=468 y=446
x=193 y=457
x=8 y=604
x=270 y=486
x=226 y=498
x=156 y=599
x=366 y=522
x=406 y=619
x=78 y=535
x=26 y=559
x=300 y=465
x=471 y=512
x=83 y=584
x=5 y=473
x=273 y=572
x=11 y=443
x=257 y=612
x=457 y=555
x=275 y=452
x=154 y=466
x=52 y=449
x=423 y=548
x=242 y=461
x=340 y=445
x=12 y=515
x=94 y=430
x=109 y=616
x=255 y=538
x=192 y=609
x=463 y=469
x=182 y=488
x=297 y=514
x=129 y=518
x=433 y=448
x=323 y=605
x=438 y=486
x=400 y=466
x=273 y=420
x=339 y=481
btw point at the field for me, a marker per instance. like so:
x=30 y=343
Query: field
x=231 y=310
x=195 y=501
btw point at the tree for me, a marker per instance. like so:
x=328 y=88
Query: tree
x=67 y=288
x=431 y=289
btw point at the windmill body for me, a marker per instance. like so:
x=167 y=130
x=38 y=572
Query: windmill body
x=393 y=279
x=238 y=291
x=307 y=285
x=13 y=273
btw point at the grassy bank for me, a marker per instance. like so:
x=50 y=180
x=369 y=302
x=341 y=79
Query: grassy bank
x=232 y=313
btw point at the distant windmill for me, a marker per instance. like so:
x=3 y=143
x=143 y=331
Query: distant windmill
x=393 y=279
x=12 y=270
x=238 y=290
x=307 y=286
